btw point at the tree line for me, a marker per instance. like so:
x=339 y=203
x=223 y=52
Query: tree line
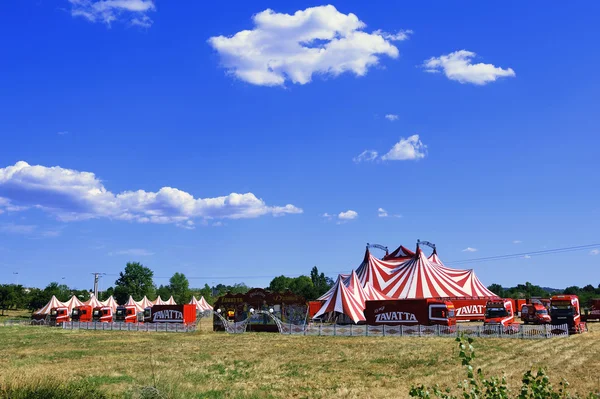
x=528 y=290
x=137 y=280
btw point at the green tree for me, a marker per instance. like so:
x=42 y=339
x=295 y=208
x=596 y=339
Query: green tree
x=280 y=284
x=164 y=291
x=497 y=289
x=321 y=283
x=60 y=291
x=303 y=286
x=12 y=296
x=135 y=280
x=36 y=299
x=179 y=287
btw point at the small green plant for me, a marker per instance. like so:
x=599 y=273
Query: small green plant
x=477 y=386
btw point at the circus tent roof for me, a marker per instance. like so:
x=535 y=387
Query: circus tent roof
x=356 y=289
x=93 y=302
x=73 y=302
x=171 y=301
x=201 y=304
x=111 y=303
x=131 y=302
x=145 y=303
x=159 y=301
x=53 y=303
x=343 y=301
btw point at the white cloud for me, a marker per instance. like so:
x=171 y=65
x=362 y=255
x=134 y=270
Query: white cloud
x=327 y=216
x=317 y=40
x=12 y=228
x=348 y=215
x=382 y=213
x=517 y=242
x=469 y=249
x=109 y=11
x=595 y=252
x=391 y=117
x=400 y=36
x=73 y=195
x=527 y=257
x=457 y=66
x=366 y=156
x=406 y=149
x=132 y=252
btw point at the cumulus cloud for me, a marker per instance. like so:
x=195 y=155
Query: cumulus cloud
x=73 y=195
x=457 y=66
x=132 y=252
x=391 y=117
x=595 y=252
x=406 y=149
x=469 y=249
x=109 y=11
x=317 y=40
x=382 y=213
x=365 y=156
x=348 y=215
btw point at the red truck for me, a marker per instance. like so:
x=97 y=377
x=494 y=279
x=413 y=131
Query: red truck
x=564 y=309
x=126 y=314
x=409 y=312
x=592 y=313
x=103 y=314
x=58 y=316
x=469 y=309
x=499 y=311
x=185 y=314
x=82 y=313
x=535 y=313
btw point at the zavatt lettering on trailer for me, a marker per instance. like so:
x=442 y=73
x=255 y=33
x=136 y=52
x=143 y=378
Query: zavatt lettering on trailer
x=395 y=317
x=470 y=310
x=168 y=315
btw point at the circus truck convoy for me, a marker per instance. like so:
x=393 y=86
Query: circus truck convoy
x=185 y=314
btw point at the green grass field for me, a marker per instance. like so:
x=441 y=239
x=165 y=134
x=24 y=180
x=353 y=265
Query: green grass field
x=262 y=365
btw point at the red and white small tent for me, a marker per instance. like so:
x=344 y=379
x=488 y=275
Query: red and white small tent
x=171 y=301
x=342 y=301
x=131 y=302
x=201 y=305
x=145 y=303
x=356 y=289
x=93 y=302
x=111 y=303
x=159 y=301
x=53 y=303
x=373 y=294
x=73 y=302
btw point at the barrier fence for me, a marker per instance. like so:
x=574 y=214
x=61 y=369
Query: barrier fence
x=495 y=331
x=119 y=326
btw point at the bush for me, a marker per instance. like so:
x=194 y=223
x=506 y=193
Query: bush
x=52 y=391
x=477 y=386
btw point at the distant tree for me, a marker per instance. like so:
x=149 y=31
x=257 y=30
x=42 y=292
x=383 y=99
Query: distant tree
x=321 y=283
x=497 y=289
x=60 y=291
x=572 y=290
x=206 y=292
x=12 y=296
x=36 y=299
x=82 y=295
x=104 y=295
x=280 y=284
x=135 y=280
x=164 y=292
x=179 y=287
x=304 y=287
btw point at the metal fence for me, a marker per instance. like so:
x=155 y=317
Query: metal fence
x=149 y=327
x=24 y=322
x=495 y=331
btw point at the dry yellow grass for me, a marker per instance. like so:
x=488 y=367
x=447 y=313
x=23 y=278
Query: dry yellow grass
x=261 y=365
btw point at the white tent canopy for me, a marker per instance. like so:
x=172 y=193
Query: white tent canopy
x=53 y=303
x=201 y=305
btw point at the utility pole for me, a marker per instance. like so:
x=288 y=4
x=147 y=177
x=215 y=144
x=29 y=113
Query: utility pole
x=96 y=278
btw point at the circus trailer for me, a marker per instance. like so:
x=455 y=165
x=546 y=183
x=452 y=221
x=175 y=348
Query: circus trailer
x=499 y=311
x=285 y=306
x=103 y=314
x=126 y=314
x=409 y=312
x=593 y=312
x=564 y=309
x=82 y=313
x=183 y=314
x=469 y=309
x=535 y=313
x=58 y=316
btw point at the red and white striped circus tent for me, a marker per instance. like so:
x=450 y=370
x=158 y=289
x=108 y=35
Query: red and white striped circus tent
x=170 y=301
x=73 y=302
x=94 y=302
x=131 y=302
x=111 y=303
x=402 y=274
x=158 y=301
x=52 y=303
x=201 y=304
x=145 y=303
x=344 y=302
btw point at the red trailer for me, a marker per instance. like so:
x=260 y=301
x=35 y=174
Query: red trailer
x=58 y=316
x=185 y=314
x=535 y=313
x=499 y=311
x=313 y=308
x=564 y=309
x=82 y=313
x=408 y=312
x=126 y=314
x=103 y=314
x=469 y=309
x=593 y=313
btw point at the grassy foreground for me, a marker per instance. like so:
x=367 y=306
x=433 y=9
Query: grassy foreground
x=260 y=365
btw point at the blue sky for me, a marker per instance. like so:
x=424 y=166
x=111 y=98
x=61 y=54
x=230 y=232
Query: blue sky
x=137 y=93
